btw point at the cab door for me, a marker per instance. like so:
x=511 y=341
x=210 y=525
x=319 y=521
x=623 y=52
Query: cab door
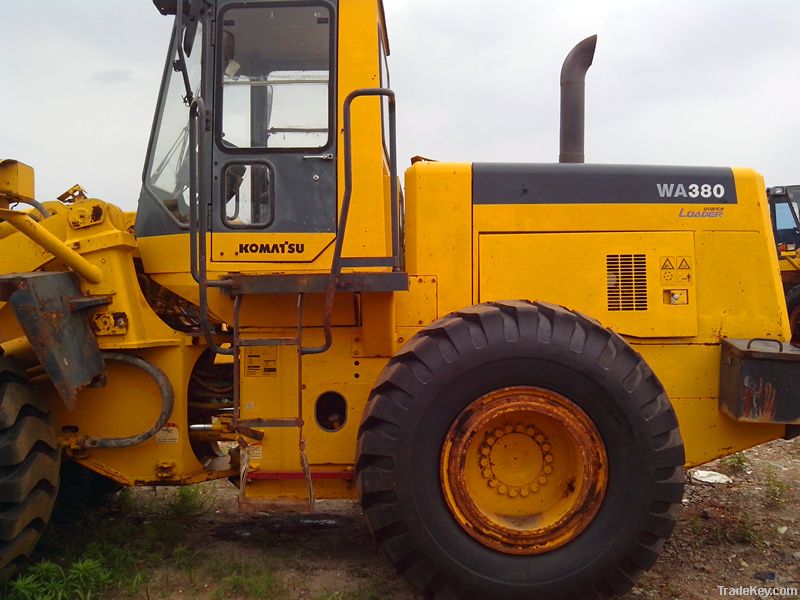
x=273 y=163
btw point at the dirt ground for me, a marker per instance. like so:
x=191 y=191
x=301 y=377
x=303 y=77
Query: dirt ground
x=170 y=544
x=745 y=533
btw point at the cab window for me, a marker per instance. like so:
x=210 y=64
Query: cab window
x=275 y=74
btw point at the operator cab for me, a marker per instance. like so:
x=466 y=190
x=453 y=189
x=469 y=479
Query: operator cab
x=264 y=152
x=785 y=215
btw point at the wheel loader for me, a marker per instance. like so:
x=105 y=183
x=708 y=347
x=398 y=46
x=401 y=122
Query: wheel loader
x=786 y=227
x=508 y=365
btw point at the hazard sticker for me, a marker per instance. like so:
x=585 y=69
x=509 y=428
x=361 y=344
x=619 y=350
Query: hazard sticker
x=255 y=452
x=168 y=434
x=685 y=276
x=667 y=270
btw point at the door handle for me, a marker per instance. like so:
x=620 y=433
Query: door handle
x=319 y=156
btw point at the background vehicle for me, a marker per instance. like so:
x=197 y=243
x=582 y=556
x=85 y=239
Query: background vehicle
x=279 y=314
x=786 y=227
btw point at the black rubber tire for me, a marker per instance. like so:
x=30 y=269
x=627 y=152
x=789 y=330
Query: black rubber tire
x=457 y=359
x=793 y=310
x=29 y=469
x=83 y=487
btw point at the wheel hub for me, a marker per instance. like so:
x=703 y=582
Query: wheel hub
x=523 y=470
x=516 y=460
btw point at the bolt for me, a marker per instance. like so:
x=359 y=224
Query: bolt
x=315 y=178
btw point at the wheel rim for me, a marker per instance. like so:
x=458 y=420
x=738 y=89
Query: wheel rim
x=523 y=470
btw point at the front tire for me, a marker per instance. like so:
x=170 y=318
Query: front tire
x=485 y=400
x=29 y=469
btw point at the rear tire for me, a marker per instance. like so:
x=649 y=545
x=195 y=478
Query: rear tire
x=450 y=371
x=793 y=309
x=29 y=469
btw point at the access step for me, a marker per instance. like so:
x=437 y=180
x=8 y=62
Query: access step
x=299 y=283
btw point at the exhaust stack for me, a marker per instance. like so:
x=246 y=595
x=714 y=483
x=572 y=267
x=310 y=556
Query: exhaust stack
x=573 y=103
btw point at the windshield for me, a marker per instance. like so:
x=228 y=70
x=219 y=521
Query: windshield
x=167 y=175
x=784 y=219
x=276 y=77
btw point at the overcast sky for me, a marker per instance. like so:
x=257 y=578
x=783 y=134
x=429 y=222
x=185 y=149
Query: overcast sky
x=712 y=82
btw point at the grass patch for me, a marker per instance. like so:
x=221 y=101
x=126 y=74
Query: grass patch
x=735 y=464
x=189 y=502
x=329 y=596
x=776 y=491
x=244 y=580
x=112 y=551
x=85 y=579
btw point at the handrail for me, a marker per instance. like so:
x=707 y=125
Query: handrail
x=338 y=262
x=198 y=225
x=348 y=172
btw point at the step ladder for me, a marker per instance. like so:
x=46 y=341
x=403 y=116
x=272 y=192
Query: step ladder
x=239 y=286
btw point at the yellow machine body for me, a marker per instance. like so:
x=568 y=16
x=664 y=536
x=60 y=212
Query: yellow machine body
x=458 y=254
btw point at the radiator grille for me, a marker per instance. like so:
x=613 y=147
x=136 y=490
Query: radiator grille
x=627 y=281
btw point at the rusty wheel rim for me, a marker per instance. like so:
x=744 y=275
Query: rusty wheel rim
x=523 y=470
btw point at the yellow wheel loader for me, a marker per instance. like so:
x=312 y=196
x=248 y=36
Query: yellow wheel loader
x=508 y=365
x=785 y=217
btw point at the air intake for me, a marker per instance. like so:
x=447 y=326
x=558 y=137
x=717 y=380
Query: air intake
x=627 y=282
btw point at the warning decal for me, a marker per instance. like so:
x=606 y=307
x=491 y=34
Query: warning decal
x=667 y=270
x=685 y=270
x=168 y=434
x=260 y=364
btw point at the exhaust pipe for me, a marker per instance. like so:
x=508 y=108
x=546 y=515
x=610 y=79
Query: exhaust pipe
x=573 y=104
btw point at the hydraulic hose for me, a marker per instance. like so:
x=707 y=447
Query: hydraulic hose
x=167 y=403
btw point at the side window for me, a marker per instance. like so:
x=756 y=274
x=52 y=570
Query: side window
x=247 y=194
x=275 y=77
x=783 y=215
x=385 y=83
x=167 y=174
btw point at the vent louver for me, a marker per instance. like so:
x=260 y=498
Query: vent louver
x=627 y=281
